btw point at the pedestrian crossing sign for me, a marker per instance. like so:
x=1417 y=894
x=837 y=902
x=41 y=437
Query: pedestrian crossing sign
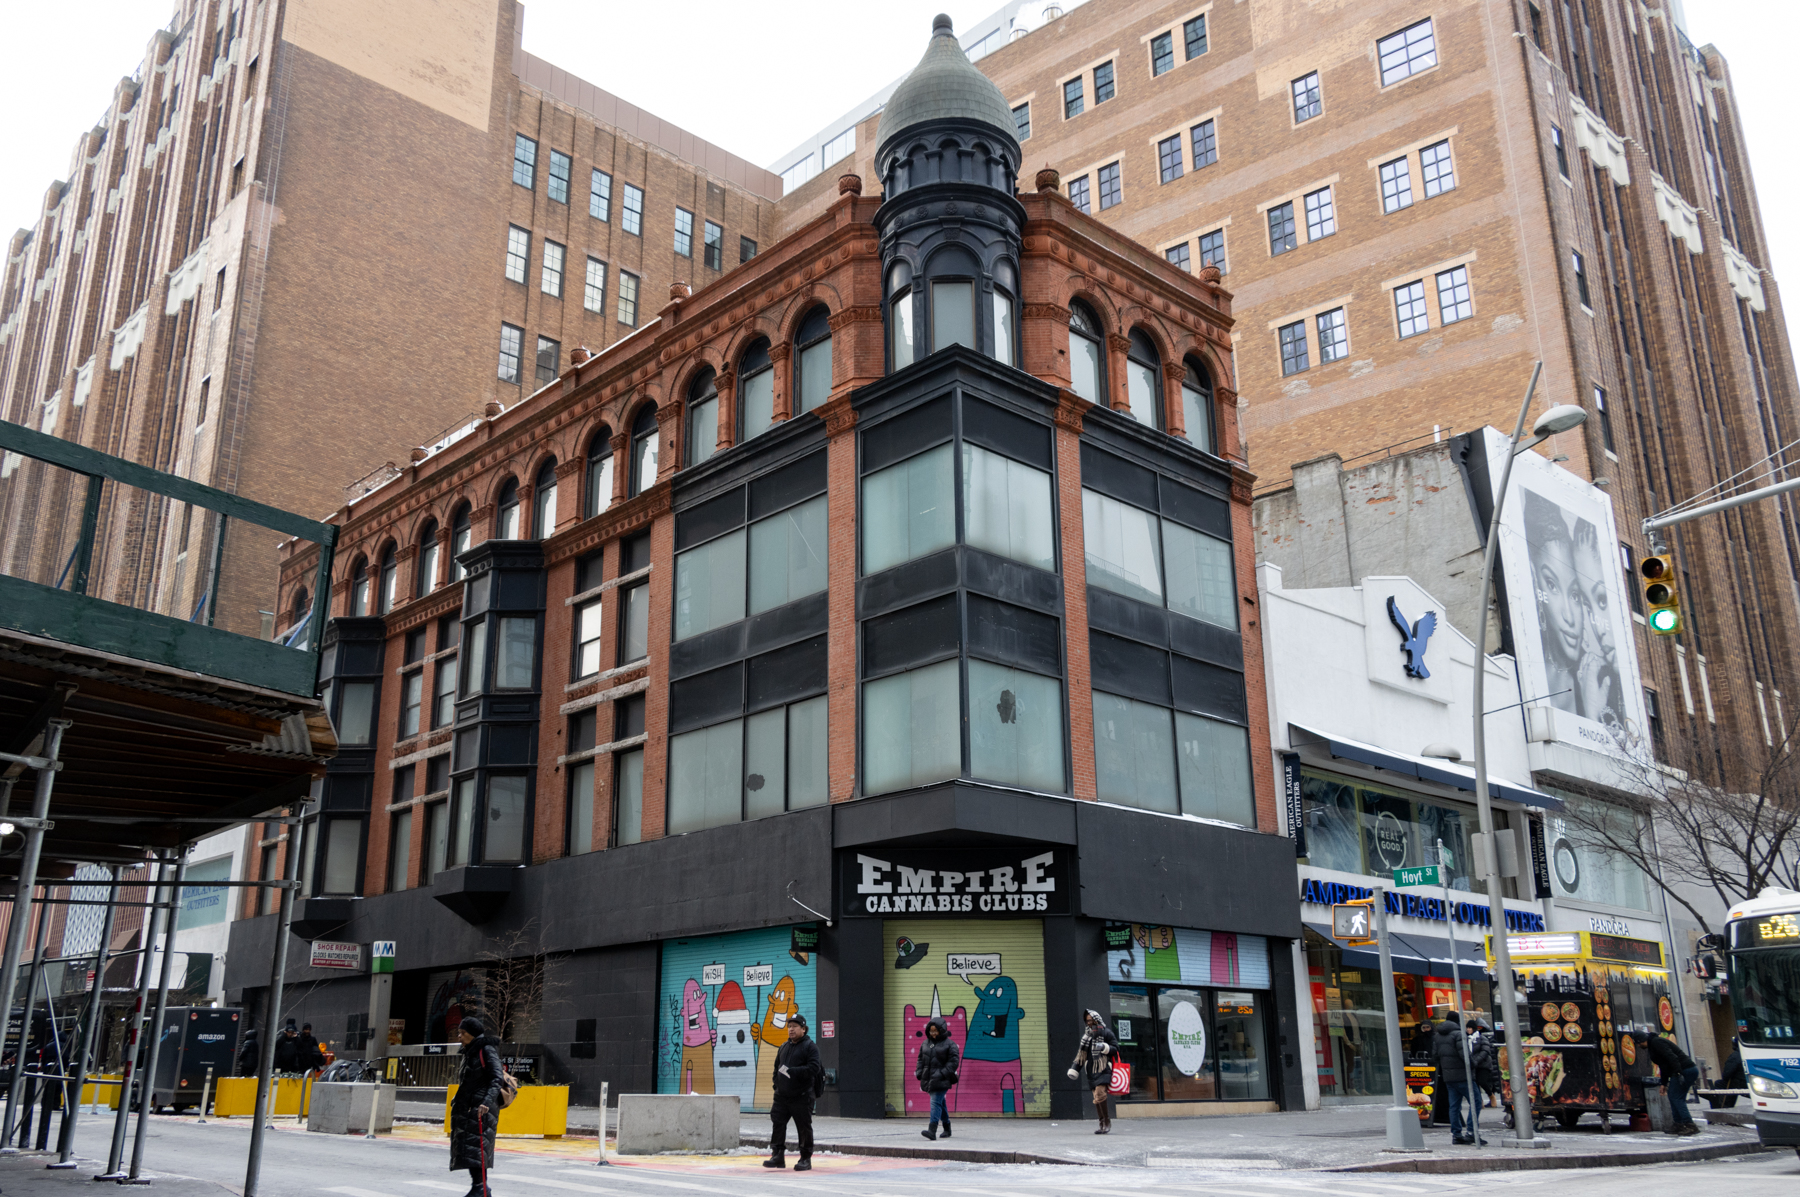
x=1353 y=922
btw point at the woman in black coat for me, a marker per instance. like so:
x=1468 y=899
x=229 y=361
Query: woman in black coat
x=936 y=1072
x=475 y=1110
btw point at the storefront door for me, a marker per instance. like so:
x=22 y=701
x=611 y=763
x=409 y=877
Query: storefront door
x=1185 y=1044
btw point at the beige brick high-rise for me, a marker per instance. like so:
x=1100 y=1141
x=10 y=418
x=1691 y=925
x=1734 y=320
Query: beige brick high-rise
x=282 y=253
x=1592 y=128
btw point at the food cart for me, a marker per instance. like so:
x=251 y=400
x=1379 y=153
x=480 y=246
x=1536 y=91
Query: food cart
x=1582 y=995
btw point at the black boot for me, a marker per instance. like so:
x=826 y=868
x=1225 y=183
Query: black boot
x=804 y=1164
x=946 y=1131
x=930 y=1132
x=778 y=1160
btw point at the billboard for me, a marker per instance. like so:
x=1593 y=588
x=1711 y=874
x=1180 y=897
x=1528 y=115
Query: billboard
x=1565 y=574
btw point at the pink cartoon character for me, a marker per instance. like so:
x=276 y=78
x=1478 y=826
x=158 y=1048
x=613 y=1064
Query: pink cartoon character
x=696 y=1040
x=913 y=1027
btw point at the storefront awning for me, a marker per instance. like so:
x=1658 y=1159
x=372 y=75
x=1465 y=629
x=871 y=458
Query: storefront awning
x=1425 y=768
x=1426 y=955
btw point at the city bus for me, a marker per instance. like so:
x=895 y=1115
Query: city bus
x=1763 y=939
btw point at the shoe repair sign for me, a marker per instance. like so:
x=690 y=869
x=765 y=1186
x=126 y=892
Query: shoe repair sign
x=1001 y=884
x=330 y=954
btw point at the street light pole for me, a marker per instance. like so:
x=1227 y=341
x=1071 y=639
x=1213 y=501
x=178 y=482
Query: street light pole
x=1557 y=419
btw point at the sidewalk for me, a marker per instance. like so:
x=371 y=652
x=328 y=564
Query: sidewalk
x=1351 y=1138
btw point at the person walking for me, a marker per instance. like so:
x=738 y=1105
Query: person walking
x=1095 y=1057
x=249 y=1053
x=799 y=1078
x=1679 y=1074
x=311 y=1057
x=287 y=1050
x=1453 y=1073
x=475 y=1110
x=936 y=1072
x=1485 y=1060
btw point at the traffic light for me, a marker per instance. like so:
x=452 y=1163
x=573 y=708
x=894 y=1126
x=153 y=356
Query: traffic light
x=1659 y=594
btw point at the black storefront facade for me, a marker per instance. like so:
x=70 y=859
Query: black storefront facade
x=1009 y=907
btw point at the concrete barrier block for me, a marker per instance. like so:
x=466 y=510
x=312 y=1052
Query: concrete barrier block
x=344 y=1109
x=649 y=1123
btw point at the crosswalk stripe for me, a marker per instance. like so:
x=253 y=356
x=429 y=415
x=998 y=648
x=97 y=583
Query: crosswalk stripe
x=347 y=1191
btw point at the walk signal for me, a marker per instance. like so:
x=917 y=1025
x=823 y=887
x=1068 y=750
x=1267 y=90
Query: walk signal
x=1659 y=594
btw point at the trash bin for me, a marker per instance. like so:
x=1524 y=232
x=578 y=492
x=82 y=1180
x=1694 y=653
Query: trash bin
x=1656 y=1102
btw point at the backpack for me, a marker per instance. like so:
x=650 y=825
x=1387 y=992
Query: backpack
x=818 y=1083
x=509 y=1088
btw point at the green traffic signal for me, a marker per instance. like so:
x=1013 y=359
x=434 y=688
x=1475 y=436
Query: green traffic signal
x=1665 y=621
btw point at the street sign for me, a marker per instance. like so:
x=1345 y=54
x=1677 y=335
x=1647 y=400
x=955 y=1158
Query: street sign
x=1422 y=875
x=1352 y=922
x=381 y=956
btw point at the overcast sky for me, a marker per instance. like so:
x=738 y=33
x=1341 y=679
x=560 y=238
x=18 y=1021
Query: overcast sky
x=753 y=79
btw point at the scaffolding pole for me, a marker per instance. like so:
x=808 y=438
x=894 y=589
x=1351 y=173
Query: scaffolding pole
x=265 y=1065
x=17 y=1082
x=147 y=1087
x=117 y=1152
x=28 y=868
x=90 y=1036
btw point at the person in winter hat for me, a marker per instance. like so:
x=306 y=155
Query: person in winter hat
x=1453 y=1072
x=936 y=1072
x=1098 y=1047
x=799 y=1076
x=1679 y=1076
x=475 y=1110
x=1485 y=1060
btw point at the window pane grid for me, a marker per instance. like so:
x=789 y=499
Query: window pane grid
x=1168 y=154
x=1022 y=120
x=1396 y=185
x=632 y=214
x=684 y=232
x=600 y=196
x=1321 y=217
x=1334 y=336
x=1409 y=306
x=1072 y=98
x=1453 y=295
x=512 y=347
x=518 y=253
x=1194 y=34
x=1408 y=52
x=558 y=186
x=595 y=298
x=1435 y=166
x=1178 y=257
x=1212 y=249
x=1281 y=229
x=1078 y=193
x=1206 y=144
x=715 y=246
x=524 y=161
x=1162 y=53
x=1306 y=97
x=1293 y=347
x=549 y=355
x=1103 y=83
x=628 y=298
x=552 y=282
x=1109 y=186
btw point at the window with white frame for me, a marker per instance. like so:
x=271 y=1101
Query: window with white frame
x=1407 y=52
x=1396 y=185
x=1321 y=216
x=799 y=173
x=841 y=146
x=1409 y=308
x=594 y=298
x=551 y=281
x=1453 y=295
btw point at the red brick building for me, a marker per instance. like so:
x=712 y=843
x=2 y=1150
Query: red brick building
x=922 y=546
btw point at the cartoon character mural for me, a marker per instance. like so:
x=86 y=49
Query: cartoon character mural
x=997 y=1024
x=723 y=1007
x=696 y=1040
x=1191 y=957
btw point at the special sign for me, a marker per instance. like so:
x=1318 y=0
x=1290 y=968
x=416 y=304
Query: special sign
x=997 y=883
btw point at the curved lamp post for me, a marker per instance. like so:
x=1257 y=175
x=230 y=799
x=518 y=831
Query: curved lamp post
x=1557 y=419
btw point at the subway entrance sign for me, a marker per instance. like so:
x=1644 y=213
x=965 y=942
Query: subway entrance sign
x=1422 y=875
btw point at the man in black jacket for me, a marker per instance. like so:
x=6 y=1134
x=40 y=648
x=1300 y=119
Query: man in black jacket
x=1447 y=1045
x=798 y=1075
x=1679 y=1074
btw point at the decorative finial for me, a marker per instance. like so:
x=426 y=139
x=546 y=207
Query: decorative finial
x=679 y=290
x=1049 y=179
x=940 y=24
x=850 y=184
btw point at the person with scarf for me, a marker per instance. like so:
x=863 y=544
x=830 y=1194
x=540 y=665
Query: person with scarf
x=1098 y=1047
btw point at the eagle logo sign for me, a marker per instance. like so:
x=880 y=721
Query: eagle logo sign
x=1413 y=638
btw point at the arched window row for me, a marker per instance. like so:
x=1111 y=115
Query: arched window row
x=1144 y=374
x=810 y=387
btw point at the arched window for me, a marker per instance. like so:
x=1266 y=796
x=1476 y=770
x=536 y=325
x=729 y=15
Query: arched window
x=756 y=390
x=543 y=501
x=302 y=607
x=702 y=417
x=643 y=449
x=599 y=472
x=296 y=635
x=1143 y=377
x=812 y=346
x=1197 y=406
x=359 y=588
x=461 y=534
x=900 y=316
x=506 y=519
x=390 y=579
x=1005 y=327
x=1087 y=365
x=426 y=580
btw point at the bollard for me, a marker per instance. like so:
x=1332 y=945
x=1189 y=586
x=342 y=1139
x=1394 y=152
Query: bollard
x=603 y=1160
x=205 y=1093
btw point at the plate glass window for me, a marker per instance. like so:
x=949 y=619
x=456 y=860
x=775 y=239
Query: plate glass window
x=558 y=182
x=1162 y=53
x=1007 y=508
x=1292 y=338
x=908 y=510
x=1407 y=52
x=1409 y=309
x=952 y=314
x=634 y=623
x=524 y=161
x=1307 y=103
x=518 y=253
x=600 y=196
x=631 y=217
x=1396 y=185
x=756 y=390
x=1334 y=336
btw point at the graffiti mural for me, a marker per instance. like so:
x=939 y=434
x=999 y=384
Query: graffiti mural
x=1178 y=954
x=986 y=980
x=723 y=1008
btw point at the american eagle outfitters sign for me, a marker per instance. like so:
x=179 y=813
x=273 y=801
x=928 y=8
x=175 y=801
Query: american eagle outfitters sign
x=996 y=883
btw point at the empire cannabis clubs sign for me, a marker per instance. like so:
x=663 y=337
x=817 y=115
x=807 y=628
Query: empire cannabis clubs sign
x=998 y=883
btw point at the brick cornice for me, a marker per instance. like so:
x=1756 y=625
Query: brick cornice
x=1242 y=483
x=838 y=415
x=615 y=521
x=862 y=313
x=1071 y=410
x=1046 y=311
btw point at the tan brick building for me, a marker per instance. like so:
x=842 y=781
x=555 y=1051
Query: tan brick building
x=284 y=212
x=1412 y=203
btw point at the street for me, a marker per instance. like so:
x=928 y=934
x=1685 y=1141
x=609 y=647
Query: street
x=202 y=1160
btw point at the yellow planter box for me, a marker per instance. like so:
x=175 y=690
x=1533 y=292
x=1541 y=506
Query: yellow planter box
x=109 y=1094
x=235 y=1096
x=537 y=1110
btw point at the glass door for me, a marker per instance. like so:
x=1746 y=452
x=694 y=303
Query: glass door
x=1243 y=1046
x=1135 y=1025
x=1187 y=1045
